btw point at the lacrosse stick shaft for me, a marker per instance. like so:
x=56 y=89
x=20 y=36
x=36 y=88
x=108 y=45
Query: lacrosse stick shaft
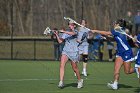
x=132 y=37
x=76 y=23
x=128 y=36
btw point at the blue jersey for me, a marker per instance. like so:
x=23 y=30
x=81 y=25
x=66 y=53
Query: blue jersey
x=138 y=53
x=121 y=40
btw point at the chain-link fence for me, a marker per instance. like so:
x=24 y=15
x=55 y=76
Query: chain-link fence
x=45 y=49
x=27 y=48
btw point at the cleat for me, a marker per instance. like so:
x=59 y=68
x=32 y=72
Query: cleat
x=112 y=86
x=60 y=85
x=80 y=83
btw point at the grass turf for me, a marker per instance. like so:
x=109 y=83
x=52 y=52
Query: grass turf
x=43 y=77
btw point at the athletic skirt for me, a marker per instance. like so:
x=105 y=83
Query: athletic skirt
x=73 y=56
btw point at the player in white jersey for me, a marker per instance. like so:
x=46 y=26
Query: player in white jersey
x=124 y=54
x=70 y=51
x=83 y=45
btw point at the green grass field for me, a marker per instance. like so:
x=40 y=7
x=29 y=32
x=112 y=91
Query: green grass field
x=43 y=77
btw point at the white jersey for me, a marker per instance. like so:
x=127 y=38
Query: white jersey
x=70 y=42
x=83 y=38
x=70 y=48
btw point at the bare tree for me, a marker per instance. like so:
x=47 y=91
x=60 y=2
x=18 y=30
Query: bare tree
x=30 y=17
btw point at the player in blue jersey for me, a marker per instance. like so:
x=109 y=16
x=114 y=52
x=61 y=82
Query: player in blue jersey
x=83 y=45
x=70 y=51
x=124 y=54
x=137 y=65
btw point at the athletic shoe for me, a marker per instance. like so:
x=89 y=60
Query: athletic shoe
x=112 y=86
x=84 y=73
x=80 y=83
x=60 y=85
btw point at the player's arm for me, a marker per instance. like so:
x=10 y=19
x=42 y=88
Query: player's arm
x=60 y=40
x=67 y=32
x=102 y=32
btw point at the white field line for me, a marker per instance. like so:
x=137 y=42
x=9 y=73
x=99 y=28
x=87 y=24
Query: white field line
x=26 y=79
x=64 y=91
x=37 y=79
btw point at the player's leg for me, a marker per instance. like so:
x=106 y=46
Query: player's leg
x=110 y=54
x=76 y=70
x=117 y=67
x=64 y=59
x=85 y=60
x=139 y=72
x=128 y=57
x=137 y=65
x=137 y=69
x=127 y=68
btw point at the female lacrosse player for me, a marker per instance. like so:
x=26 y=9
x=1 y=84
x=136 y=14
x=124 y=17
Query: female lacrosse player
x=137 y=65
x=83 y=45
x=124 y=54
x=70 y=51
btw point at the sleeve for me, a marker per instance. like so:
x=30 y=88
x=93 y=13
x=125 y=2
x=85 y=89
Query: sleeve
x=64 y=36
x=114 y=33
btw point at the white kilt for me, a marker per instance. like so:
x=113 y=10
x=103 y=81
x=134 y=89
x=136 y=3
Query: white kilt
x=73 y=56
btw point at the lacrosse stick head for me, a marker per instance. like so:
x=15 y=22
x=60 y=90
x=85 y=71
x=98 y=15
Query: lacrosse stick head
x=67 y=18
x=47 y=31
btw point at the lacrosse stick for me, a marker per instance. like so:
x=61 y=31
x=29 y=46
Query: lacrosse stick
x=123 y=32
x=47 y=31
x=68 y=18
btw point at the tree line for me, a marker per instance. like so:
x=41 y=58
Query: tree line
x=31 y=17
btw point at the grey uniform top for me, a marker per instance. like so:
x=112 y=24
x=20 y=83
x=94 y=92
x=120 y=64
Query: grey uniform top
x=70 y=48
x=83 y=36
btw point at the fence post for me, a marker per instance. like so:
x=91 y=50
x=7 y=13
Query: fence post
x=34 y=49
x=11 y=29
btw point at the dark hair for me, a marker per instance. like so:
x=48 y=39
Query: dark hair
x=121 y=22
